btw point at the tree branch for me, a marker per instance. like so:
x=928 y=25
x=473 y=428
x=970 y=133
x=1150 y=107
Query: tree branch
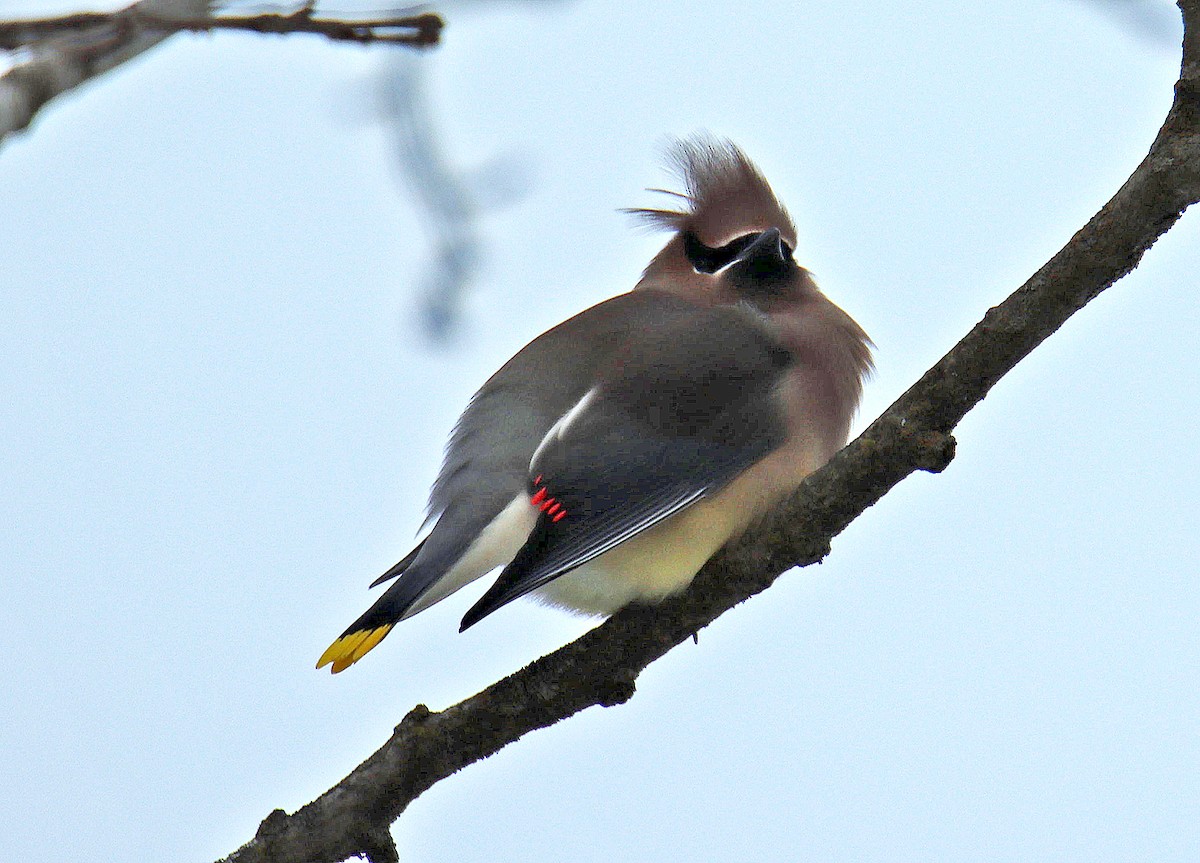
x=57 y=63
x=420 y=30
x=913 y=434
x=66 y=51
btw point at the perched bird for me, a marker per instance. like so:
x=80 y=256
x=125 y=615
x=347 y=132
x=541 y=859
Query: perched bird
x=615 y=453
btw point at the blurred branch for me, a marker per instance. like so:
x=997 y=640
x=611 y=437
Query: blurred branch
x=63 y=52
x=1150 y=20
x=452 y=200
x=449 y=208
x=600 y=668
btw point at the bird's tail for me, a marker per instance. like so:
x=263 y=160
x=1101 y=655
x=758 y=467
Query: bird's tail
x=366 y=632
x=370 y=629
x=352 y=646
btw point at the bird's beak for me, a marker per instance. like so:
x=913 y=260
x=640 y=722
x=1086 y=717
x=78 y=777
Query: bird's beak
x=766 y=251
x=762 y=265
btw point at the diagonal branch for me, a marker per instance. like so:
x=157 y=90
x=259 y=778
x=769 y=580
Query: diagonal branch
x=913 y=434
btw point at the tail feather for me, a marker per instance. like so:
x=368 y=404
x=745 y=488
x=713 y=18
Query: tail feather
x=352 y=646
x=399 y=568
x=366 y=632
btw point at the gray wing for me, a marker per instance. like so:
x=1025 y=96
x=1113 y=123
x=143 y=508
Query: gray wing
x=487 y=458
x=685 y=410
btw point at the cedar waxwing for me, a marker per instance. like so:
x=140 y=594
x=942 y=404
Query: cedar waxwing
x=615 y=453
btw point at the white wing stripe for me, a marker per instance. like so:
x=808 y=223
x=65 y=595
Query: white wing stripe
x=564 y=422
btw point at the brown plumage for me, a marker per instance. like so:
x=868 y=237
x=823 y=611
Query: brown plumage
x=723 y=191
x=726 y=196
x=614 y=454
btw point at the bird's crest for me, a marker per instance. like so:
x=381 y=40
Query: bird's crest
x=724 y=194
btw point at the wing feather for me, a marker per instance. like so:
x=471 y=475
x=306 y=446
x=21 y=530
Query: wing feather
x=679 y=420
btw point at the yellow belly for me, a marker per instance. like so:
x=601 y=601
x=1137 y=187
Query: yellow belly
x=664 y=559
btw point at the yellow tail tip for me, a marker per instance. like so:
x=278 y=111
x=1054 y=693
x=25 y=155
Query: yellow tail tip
x=352 y=647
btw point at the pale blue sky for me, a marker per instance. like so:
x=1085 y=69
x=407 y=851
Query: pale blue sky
x=219 y=424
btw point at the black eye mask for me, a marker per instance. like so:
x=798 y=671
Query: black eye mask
x=705 y=259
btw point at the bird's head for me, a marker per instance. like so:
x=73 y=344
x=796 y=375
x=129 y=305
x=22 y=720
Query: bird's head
x=732 y=240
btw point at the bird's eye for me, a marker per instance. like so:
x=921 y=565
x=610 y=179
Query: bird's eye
x=705 y=259
x=701 y=257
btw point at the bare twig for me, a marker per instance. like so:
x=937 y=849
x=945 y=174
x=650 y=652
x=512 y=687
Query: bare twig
x=62 y=53
x=601 y=667
x=57 y=63
x=420 y=30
